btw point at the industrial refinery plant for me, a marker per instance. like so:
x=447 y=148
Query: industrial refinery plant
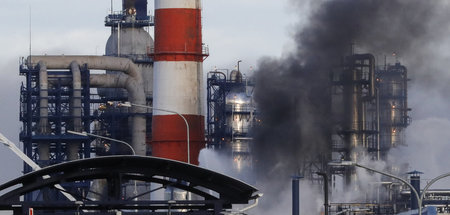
x=123 y=132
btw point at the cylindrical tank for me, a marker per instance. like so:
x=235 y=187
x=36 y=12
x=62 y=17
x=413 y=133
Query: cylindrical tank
x=134 y=43
x=356 y=80
x=393 y=105
x=352 y=117
x=178 y=80
x=239 y=120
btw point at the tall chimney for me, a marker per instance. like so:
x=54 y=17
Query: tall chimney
x=178 y=80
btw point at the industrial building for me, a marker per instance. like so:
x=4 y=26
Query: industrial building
x=122 y=141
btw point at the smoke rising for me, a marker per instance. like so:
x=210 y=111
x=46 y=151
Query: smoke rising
x=293 y=92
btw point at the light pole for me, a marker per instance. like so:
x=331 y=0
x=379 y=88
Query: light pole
x=430 y=183
x=351 y=163
x=128 y=104
x=102 y=137
x=110 y=139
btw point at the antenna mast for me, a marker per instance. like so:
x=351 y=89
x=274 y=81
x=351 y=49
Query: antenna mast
x=30 y=35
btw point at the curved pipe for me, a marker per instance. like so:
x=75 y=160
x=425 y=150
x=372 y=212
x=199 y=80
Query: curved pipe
x=93 y=62
x=135 y=92
x=133 y=82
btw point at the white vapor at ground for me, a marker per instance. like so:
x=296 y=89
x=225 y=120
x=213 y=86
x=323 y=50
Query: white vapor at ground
x=273 y=202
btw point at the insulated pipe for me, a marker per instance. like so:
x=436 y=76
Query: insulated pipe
x=133 y=83
x=178 y=80
x=43 y=128
x=73 y=148
x=93 y=62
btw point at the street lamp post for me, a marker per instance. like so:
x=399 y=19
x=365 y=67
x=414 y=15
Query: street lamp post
x=351 y=163
x=110 y=139
x=128 y=104
x=431 y=183
x=102 y=137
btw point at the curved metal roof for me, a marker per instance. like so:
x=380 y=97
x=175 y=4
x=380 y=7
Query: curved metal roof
x=126 y=167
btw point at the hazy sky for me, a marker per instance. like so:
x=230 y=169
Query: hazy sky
x=234 y=30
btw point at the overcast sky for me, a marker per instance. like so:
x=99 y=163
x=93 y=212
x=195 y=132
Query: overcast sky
x=234 y=30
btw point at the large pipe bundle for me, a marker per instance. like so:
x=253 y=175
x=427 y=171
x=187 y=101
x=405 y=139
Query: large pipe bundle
x=177 y=80
x=130 y=78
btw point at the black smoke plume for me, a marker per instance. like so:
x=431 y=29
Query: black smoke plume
x=293 y=93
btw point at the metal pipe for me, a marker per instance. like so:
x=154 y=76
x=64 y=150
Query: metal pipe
x=76 y=96
x=252 y=205
x=73 y=148
x=133 y=82
x=125 y=81
x=378 y=124
x=93 y=62
x=43 y=127
x=296 y=195
x=239 y=61
x=118 y=37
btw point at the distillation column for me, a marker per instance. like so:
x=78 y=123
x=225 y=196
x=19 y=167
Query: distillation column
x=178 y=80
x=394 y=106
x=355 y=84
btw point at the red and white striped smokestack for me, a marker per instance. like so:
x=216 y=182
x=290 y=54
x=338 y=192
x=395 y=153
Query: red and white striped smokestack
x=178 y=80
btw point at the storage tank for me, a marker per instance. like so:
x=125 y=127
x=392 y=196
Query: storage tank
x=130 y=39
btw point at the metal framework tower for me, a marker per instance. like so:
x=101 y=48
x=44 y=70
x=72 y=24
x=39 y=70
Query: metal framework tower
x=370 y=113
x=355 y=111
x=59 y=119
x=231 y=114
x=217 y=89
x=55 y=97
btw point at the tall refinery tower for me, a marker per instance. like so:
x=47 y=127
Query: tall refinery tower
x=178 y=57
